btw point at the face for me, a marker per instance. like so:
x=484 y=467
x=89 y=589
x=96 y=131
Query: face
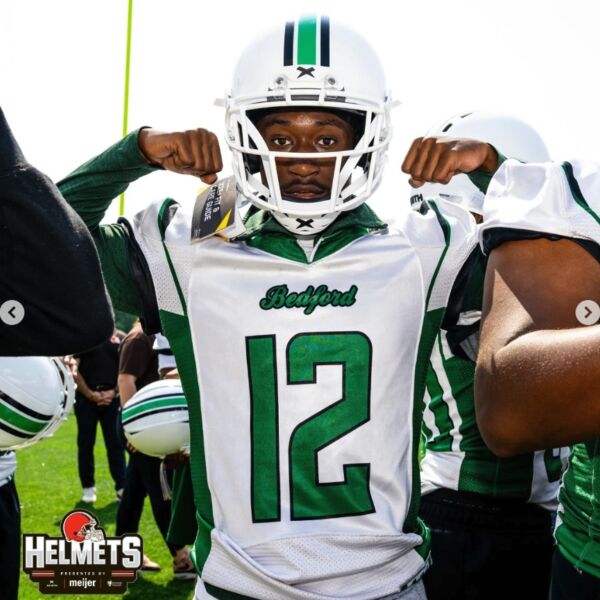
x=305 y=179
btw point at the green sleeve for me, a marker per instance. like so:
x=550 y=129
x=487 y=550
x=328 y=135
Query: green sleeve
x=90 y=190
x=481 y=178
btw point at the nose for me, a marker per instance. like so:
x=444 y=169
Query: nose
x=303 y=168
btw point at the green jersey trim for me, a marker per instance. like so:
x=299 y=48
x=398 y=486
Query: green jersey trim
x=576 y=191
x=265 y=233
x=432 y=322
x=578 y=535
x=177 y=330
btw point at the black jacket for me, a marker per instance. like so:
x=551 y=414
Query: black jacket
x=48 y=263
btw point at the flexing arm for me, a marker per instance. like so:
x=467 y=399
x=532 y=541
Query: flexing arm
x=438 y=159
x=537 y=383
x=91 y=188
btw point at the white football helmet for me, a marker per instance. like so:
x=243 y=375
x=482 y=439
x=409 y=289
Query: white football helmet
x=156 y=419
x=309 y=63
x=509 y=135
x=36 y=396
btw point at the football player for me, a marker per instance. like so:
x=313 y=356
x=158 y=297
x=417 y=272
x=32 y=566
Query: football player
x=537 y=372
x=302 y=342
x=490 y=518
x=536 y=376
x=36 y=396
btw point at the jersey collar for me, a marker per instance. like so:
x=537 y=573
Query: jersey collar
x=265 y=233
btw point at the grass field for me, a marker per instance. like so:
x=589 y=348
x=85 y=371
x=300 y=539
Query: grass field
x=49 y=487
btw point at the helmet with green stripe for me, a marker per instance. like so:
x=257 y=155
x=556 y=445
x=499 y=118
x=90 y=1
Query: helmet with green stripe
x=156 y=420
x=36 y=396
x=310 y=63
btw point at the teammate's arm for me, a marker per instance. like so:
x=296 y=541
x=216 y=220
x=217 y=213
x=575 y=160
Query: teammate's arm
x=537 y=383
x=438 y=159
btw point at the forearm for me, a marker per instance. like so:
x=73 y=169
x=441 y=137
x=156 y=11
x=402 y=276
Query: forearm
x=541 y=390
x=127 y=389
x=91 y=188
x=82 y=386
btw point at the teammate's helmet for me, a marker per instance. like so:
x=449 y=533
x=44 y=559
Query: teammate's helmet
x=36 y=395
x=80 y=525
x=509 y=135
x=156 y=420
x=309 y=63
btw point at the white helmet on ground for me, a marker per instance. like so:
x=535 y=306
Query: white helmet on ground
x=156 y=419
x=509 y=135
x=309 y=64
x=36 y=396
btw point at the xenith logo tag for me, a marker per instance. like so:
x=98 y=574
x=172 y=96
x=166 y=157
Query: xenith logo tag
x=84 y=560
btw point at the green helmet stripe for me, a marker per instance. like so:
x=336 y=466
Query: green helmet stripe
x=12 y=417
x=168 y=402
x=307 y=41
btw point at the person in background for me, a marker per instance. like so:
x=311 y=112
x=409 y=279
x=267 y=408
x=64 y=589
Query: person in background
x=10 y=528
x=97 y=402
x=138 y=366
x=42 y=311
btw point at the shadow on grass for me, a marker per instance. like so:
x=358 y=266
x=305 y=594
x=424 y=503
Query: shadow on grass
x=106 y=515
x=144 y=588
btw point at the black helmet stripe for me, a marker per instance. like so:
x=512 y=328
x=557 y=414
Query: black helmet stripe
x=288 y=44
x=307 y=31
x=324 y=41
x=24 y=409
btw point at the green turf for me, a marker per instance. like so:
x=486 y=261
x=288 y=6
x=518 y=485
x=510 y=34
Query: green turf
x=49 y=487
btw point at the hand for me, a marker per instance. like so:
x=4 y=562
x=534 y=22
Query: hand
x=193 y=152
x=94 y=397
x=172 y=374
x=172 y=461
x=106 y=397
x=438 y=159
x=130 y=448
x=72 y=364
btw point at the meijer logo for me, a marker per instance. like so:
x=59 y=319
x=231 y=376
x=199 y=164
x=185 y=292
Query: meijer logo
x=84 y=560
x=279 y=296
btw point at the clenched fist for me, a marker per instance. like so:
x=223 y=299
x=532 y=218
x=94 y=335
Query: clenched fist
x=193 y=152
x=438 y=159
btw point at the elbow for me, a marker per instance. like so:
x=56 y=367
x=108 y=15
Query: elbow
x=500 y=443
x=497 y=419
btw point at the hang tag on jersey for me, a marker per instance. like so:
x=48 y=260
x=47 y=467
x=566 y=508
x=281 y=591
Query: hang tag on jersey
x=216 y=211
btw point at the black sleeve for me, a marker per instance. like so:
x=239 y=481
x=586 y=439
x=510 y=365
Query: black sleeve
x=462 y=318
x=48 y=263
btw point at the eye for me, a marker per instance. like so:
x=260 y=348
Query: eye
x=281 y=141
x=327 y=141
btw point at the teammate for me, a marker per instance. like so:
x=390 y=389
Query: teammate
x=36 y=395
x=536 y=380
x=41 y=239
x=490 y=518
x=302 y=343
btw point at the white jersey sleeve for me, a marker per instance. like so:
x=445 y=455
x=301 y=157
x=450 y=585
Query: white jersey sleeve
x=525 y=201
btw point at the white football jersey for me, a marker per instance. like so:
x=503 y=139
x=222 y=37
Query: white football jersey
x=305 y=383
x=548 y=198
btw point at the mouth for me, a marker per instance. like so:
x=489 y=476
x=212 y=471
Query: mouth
x=304 y=192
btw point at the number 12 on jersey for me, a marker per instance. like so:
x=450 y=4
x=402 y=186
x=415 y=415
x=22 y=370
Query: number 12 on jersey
x=309 y=499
